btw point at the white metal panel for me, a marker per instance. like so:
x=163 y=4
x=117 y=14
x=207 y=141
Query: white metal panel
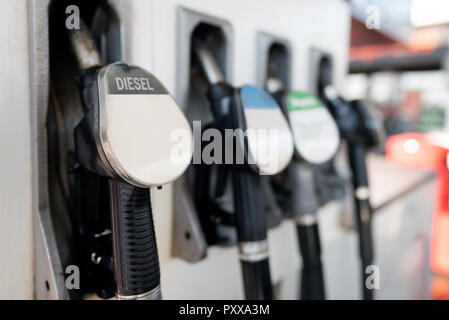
x=16 y=247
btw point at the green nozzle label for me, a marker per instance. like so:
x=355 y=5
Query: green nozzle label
x=314 y=130
x=297 y=101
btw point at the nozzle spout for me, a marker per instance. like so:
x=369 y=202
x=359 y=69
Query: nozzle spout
x=208 y=63
x=84 y=48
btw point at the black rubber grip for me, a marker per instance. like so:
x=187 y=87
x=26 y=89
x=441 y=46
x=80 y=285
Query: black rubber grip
x=255 y=275
x=357 y=162
x=312 y=279
x=363 y=213
x=252 y=226
x=136 y=262
x=249 y=206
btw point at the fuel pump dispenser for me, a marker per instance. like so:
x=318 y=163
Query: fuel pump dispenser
x=253 y=111
x=125 y=140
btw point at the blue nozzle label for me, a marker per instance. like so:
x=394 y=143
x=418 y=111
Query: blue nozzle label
x=270 y=143
x=255 y=98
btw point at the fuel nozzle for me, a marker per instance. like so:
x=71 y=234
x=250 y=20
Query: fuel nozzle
x=354 y=119
x=125 y=136
x=355 y=125
x=248 y=109
x=316 y=141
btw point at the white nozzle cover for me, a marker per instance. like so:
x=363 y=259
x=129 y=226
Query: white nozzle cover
x=143 y=134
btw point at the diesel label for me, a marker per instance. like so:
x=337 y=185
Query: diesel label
x=133 y=84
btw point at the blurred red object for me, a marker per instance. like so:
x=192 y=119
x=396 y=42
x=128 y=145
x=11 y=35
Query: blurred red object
x=440 y=288
x=419 y=151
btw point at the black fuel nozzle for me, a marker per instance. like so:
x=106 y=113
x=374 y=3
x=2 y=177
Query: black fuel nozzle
x=357 y=128
x=247 y=108
x=313 y=146
x=124 y=137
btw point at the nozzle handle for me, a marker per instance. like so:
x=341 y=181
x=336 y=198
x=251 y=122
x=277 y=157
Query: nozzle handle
x=250 y=213
x=305 y=207
x=254 y=277
x=136 y=262
x=312 y=278
x=363 y=211
x=252 y=235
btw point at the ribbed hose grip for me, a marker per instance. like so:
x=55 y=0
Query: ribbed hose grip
x=252 y=228
x=364 y=213
x=312 y=283
x=136 y=262
x=255 y=274
x=312 y=279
